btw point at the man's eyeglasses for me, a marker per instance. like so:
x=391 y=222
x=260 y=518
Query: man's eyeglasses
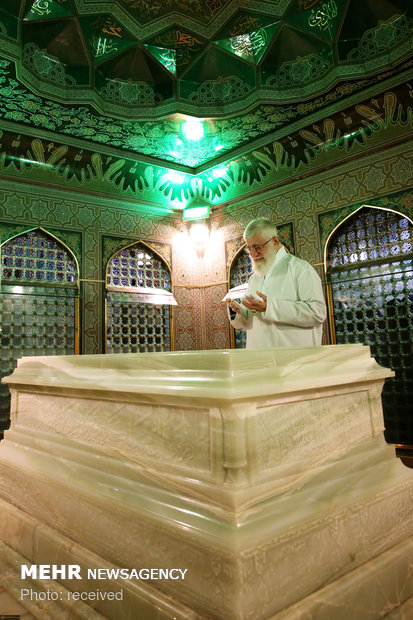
x=257 y=247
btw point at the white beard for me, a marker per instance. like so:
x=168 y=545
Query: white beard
x=262 y=267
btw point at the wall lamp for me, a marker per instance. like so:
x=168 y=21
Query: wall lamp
x=196 y=215
x=196 y=211
x=199 y=236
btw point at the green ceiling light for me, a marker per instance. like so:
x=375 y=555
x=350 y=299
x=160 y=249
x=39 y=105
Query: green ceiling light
x=174 y=177
x=217 y=173
x=196 y=211
x=193 y=130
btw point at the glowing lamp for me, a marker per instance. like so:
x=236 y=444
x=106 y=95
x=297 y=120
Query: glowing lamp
x=174 y=177
x=193 y=130
x=217 y=173
x=199 y=235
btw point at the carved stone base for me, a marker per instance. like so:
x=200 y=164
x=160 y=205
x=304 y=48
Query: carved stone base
x=276 y=554
x=380 y=588
x=264 y=475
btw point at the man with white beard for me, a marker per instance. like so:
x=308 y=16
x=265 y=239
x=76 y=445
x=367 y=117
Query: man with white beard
x=284 y=305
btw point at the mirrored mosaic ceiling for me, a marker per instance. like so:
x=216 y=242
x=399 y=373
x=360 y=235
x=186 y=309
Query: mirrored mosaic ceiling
x=157 y=190
x=189 y=81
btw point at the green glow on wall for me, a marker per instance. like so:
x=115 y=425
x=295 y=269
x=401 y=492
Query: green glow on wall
x=153 y=210
x=31 y=161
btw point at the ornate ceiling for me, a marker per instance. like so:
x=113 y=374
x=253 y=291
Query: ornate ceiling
x=193 y=83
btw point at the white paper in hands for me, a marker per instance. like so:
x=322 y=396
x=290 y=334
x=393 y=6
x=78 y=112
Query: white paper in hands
x=236 y=292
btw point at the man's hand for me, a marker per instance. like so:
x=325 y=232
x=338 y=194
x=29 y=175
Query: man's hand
x=255 y=305
x=234 y=306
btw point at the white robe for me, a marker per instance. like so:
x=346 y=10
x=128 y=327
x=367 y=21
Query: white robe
x=295 y=309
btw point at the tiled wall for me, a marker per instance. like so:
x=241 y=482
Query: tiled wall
x=94 y=228
x=312 y=209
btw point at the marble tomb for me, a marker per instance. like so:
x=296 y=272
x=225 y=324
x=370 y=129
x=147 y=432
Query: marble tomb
x=263 y=473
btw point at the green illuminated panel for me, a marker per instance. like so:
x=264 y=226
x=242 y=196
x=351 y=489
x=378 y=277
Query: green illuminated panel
x=49 y=9
x=104 y=47
x=240 y=45
x=196 y=212
x=320 y=18
x=245 y=23
x=185 y=45
x=166 y=56
x=105 y=37
x=260 y=40
x=249 y=46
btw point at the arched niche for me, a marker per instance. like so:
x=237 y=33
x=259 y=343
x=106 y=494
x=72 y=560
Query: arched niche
x=369 y=266
x=39 y=303
x=132 y=326
x=239 y=272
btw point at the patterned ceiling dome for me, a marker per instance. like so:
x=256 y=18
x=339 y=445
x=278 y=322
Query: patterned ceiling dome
x=135 y=59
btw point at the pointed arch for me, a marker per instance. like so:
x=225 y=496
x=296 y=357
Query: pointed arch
x=369 y=266
x=53 y=254
x=130 y=325
x=39 y=310
x=145 y=244
x=349 y=217
x=239 y=272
